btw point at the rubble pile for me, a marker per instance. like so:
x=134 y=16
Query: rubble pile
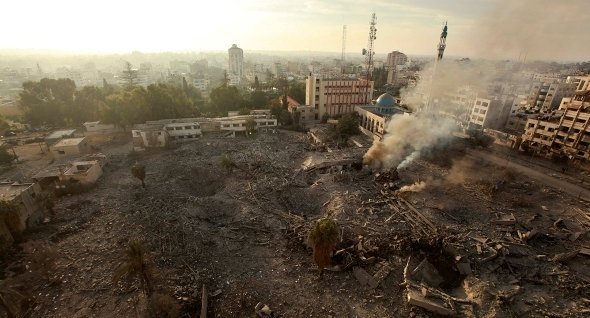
x=234 y=214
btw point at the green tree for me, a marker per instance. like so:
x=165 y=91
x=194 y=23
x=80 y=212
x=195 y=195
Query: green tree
x=129 y=77
x=6 y=157
x=135 y=264
x=258 y=99
x=323 y=238
x=297 y=91
x=225 y=98
x=126 y=107
x=88 y=104
x=347 y=126
x=48 y=101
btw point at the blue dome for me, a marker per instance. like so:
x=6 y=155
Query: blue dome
x=385 y=100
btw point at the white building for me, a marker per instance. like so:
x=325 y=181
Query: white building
x=183 y=131
x=201 y=84
x=239 y=123
x=95 y=127
x=490 y=113
x=149 y=138
x=236 y=64
x=394 y=59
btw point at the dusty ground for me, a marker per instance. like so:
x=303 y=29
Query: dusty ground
x=240 y=233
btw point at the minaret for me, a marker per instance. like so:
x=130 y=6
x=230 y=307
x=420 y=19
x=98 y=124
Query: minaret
x=443 y=42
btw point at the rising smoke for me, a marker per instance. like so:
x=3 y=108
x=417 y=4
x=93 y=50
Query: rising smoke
x=406 y=137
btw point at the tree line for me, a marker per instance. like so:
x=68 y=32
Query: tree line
x=59 y=103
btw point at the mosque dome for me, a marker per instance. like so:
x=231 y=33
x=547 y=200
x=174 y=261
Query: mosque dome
x=385 y=101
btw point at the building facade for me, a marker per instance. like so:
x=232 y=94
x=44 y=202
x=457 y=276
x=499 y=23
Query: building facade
x=490 y=112
x=337 y=96
x=69 y=147
x=236 y=65
x=566 y=132
x=183 y=131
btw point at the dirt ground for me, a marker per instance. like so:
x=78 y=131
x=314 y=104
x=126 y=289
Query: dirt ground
x=241 y=231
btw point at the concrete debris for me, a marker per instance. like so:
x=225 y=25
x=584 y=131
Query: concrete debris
x=264 y=311
x=436 y=305
x=584 y=251
x=427 y=273
x=505 y=219
x=365 y=279
x=565 y=257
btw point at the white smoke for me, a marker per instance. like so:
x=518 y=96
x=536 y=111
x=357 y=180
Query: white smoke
x=407 y=136
x=416 y=187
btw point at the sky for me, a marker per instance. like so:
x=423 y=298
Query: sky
x=543 y=29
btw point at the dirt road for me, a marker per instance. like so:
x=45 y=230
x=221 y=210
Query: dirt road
x=541 y=174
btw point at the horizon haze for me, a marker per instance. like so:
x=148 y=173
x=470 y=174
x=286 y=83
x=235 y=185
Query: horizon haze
x=479 y=29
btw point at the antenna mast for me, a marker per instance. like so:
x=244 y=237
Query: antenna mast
x=342 y=57
x=369 y=53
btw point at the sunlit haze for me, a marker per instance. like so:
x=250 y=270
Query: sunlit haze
x=280 y=25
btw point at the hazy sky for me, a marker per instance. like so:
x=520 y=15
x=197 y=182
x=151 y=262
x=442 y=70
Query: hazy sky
x=544 y=28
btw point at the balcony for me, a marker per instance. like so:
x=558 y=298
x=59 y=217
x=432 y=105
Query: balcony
x=567 y=123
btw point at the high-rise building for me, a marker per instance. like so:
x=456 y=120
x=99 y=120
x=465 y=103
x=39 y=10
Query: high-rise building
x=236 y=64
x=394 y=59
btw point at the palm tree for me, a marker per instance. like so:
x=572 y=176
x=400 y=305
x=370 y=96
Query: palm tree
x=323 y=237
x=10 y=299
x=135 y=265
x=138 y=171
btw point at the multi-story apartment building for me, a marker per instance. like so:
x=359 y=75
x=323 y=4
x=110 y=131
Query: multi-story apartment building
x=582 y=83
x=394 y=59
x=546 y=96
x=236 y=64
x=567 y=131
x=490 y=112
x=337 y=96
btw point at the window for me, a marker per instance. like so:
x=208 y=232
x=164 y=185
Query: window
x=188 y=127
x=541 y=127
x=551 y=129
x=484 y=104
x=478 y=102
x=61 y=152
x=178 y=128
x=568 y=118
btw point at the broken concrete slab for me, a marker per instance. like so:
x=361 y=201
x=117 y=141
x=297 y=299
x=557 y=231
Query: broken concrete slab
x=364 y=278
x=505 y=219
x=435 y=305
x=464 y=268
x=382 y=272
x=427 y=273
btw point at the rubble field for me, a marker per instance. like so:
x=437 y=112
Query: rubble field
x=460 y=238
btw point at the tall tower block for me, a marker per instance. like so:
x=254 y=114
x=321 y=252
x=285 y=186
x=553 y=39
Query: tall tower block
x=442 y=44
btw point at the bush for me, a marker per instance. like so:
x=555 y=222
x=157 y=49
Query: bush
x=6 y=157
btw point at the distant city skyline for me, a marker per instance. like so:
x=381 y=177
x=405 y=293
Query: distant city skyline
x=539 y=29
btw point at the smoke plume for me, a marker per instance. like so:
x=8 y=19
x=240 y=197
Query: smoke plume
x=416 y=187
x=407 y=136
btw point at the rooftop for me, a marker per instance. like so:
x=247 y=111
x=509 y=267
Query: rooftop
x=69 y=142
x=60 y=134
x=9 y=190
